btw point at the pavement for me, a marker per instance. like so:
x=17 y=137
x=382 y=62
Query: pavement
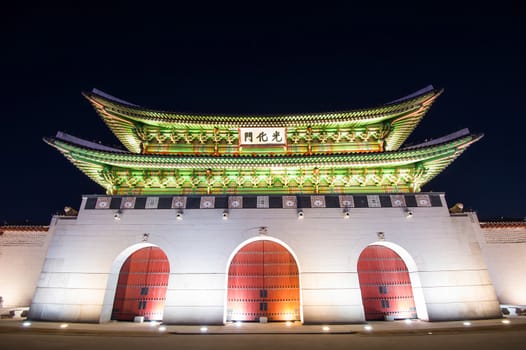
x=18 y=324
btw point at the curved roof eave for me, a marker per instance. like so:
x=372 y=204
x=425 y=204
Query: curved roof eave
x=450 y=143
x=122 y=117
x=148 y=115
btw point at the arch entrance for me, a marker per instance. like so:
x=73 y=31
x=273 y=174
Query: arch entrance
x=142 y=284
x=263 y=281
x=385 y=284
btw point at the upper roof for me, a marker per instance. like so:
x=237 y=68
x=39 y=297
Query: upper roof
x=402 y=115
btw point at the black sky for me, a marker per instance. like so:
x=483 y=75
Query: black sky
x=258 y=59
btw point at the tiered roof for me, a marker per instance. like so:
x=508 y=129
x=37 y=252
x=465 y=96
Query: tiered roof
x=382 y=128
x=336 y=152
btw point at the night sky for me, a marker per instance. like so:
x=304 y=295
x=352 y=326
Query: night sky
x=258 y=59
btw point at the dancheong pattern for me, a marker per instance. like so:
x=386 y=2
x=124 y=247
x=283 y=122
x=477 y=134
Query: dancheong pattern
x=264 y=202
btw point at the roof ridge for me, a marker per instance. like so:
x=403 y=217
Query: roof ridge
x=414 y=95
x=417 y=93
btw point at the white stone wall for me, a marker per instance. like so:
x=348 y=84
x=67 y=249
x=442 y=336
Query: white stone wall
x=22 y=254
x=449 y=277
x=504 y=249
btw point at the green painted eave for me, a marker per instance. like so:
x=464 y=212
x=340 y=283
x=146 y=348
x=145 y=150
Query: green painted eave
x=148 y=161
x=424 y=161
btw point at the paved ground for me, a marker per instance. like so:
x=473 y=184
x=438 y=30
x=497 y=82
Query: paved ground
x=155 y=328
x=480 y=334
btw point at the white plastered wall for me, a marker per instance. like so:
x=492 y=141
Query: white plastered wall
x=504 y=250
x=22 y=255
x=79 y=274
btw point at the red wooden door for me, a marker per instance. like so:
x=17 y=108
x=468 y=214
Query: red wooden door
x=263 y=281
x=385 y=284
x=141 y=288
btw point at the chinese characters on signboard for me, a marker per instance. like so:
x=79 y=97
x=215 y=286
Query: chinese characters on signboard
x=262 y=136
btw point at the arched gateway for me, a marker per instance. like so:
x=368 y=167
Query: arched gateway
x=142 y=284
x=385 y=284
x=263 y=281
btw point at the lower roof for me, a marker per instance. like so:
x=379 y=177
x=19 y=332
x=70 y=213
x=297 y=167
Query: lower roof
x=421 y=163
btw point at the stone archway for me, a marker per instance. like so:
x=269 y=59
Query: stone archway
x=385 y=284
x=263 y=282
x=141 y=286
